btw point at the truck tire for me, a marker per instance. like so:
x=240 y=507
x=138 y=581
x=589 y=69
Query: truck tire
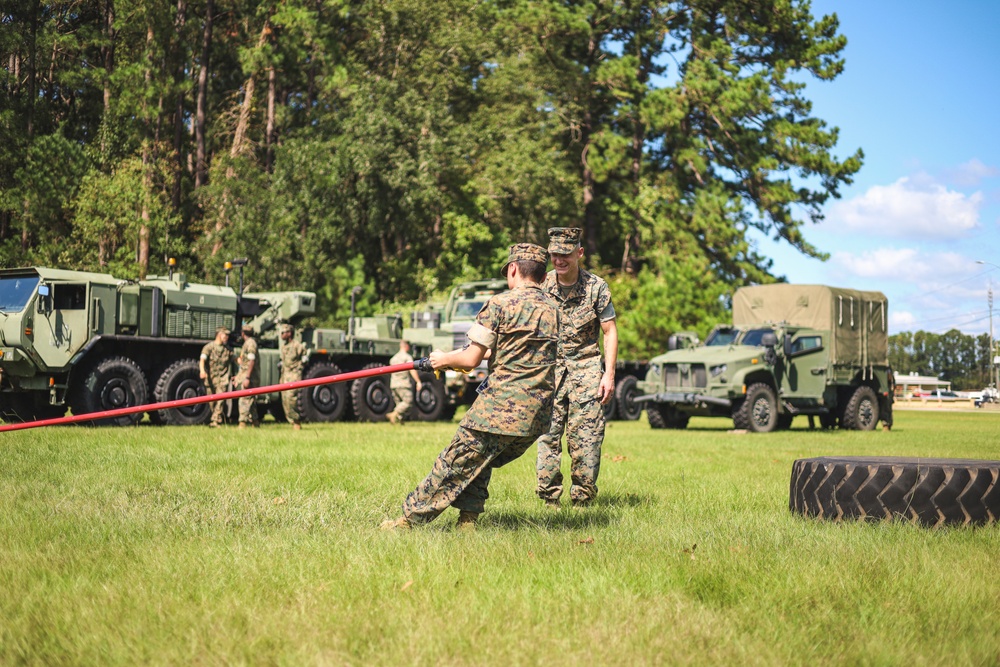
x=429 y=403
x=625 y=392
x=116 y=382
x=611 y=409
x=929 y=492
x=785 y=421
x=665 y=416
x=861 y=412
x=325 y=402
x=759 y=410
x=372 y=397
x=181 y=380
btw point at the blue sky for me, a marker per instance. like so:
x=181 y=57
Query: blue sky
x=921 y=96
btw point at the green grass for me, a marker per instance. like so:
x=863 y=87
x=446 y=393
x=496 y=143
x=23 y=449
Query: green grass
x=191 y=545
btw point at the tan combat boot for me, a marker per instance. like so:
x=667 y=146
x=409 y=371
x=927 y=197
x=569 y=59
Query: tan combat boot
x=402 y=523
x=467 y=520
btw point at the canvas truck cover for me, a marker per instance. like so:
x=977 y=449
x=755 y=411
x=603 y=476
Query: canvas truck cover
x=858 y=320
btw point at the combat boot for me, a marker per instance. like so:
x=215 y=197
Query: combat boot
x=402 y=523
x=467 y=520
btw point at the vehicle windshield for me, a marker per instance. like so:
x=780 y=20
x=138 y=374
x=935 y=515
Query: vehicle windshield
x=753 y=336
x=721 y=336
x=15 y=292
x=467 y=309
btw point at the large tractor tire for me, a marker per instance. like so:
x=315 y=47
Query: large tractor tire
x=861 y=412
x=181 y=380
x=325 y=402
x=665 y=416
x=430 y=402
x=759 y=410
x=929 y=492
x=116 y=382
x=625 y=392
x=371 y=397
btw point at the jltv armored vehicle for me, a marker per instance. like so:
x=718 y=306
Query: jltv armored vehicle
x=791 y=350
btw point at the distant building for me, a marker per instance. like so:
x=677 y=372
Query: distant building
x=913 y=385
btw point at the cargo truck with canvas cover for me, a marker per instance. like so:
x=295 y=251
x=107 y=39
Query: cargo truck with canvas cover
x=791 y=350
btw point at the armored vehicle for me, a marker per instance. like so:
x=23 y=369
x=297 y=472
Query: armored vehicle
x=791 y=350
x=90 y=342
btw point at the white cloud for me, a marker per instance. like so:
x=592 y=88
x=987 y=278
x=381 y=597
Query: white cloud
x=972 y=173
x=910 y=208
x=901 y=320
x=904 y=264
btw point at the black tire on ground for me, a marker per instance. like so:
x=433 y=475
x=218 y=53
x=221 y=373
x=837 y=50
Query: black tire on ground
x=116 y=382
x=861 y=412
x=325 y=402
x=371 y=397
x=28 y=407
x=181 y=380
x=277 y=411
x=930 y=492
x=430 y=402
x=665 y=416
x=785 y=421
x=758 y=412
x=829 y=420
x=625 y=392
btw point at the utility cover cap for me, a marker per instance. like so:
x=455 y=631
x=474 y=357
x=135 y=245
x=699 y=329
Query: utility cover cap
x=564 y=240
x=520 y=252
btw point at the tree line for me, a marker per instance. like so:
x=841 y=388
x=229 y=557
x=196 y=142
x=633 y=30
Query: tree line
x=401 y=145
x=962 y=359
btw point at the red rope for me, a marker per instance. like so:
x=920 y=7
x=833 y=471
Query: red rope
x=180 y=403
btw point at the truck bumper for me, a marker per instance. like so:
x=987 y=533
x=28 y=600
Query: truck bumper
x=685 y=398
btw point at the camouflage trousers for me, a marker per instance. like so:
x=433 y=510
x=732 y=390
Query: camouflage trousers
x=248 y=404
x=404 y=401
x=217 y=385
x=290 y=399
x=583 y=421
x=461 y=474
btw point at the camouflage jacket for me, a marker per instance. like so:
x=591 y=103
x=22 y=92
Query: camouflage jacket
x=521 y=327
x=580 y=317
x=292 y=354
x=400 y=380
x=218 y=360
x=249 y=352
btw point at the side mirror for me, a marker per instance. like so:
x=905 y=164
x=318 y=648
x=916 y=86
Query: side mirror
x=788 y=345
x=672 y=343
x=769 y=340
x=44 y=298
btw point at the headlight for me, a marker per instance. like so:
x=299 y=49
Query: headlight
x=718 y=370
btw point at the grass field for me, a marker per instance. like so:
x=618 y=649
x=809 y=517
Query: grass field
x=198 y=546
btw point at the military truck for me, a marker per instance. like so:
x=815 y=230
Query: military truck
x=90 y=342
x=791 y=350
x=446 y=328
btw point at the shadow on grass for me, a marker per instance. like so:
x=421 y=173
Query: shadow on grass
x=603 y=512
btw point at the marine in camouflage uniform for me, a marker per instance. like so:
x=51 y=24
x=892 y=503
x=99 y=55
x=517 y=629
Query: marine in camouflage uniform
x=248 y=377
x=520 y=328
x=215 y=366
x=293 y=356
x=399 y=383
x=585 y=311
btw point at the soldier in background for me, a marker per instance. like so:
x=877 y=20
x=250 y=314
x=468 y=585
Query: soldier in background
x=585 y=311
x=399 y=383
x=520 y=329
x=248 y=377
x=218 y=358
x=293 y=357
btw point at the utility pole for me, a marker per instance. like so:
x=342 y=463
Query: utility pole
x=993 y=355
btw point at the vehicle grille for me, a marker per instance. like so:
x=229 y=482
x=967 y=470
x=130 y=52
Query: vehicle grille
x=685 y=375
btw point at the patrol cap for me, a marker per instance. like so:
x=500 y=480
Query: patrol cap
x=520 y=252
x=225 y=330
x=564 y=240
x=287 y=328
x=248 y=329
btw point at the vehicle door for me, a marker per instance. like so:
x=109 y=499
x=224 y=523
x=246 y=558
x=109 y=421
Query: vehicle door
x=62 y=323
x=806 y=364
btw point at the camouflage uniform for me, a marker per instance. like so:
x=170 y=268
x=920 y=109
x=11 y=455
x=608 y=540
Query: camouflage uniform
x=399 y=383
x=218 y=358
x=293 y=354
x=248 y=411
x=578 y=410
x=514 y=407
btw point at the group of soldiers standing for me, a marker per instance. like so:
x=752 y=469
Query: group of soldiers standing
x=216 y=365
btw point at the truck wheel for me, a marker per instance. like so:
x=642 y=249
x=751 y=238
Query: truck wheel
x=625 y=393
x=930 y=492
x=113 y=383
x=829 y=420
x=325 y=402
x=861 y=412
x=759 y=410
x=277 y=411
x=665 y=416
x=431 y=400
x=611 y=409
x=785 y=421
x=371 y=397
x=179 y=381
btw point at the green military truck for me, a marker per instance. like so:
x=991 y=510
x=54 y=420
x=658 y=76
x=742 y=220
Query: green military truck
x=791 y=350
x=91 y=342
